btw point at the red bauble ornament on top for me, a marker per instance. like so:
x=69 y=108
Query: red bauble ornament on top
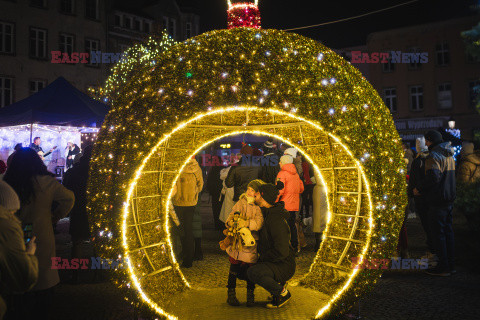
x=244 y=14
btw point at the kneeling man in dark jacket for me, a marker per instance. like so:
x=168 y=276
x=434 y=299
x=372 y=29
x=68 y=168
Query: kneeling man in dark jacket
x=276 y=262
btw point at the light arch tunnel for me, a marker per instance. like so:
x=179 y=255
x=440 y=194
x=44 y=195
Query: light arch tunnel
x=145 y=226
x=284 y=85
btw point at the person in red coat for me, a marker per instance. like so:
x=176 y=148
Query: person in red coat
x=290 y=194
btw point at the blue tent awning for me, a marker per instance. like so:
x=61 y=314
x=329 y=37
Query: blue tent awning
x=59 y=103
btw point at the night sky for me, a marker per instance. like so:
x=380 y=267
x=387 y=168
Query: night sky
x=282 y=14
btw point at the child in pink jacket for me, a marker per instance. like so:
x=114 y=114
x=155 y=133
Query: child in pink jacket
x=290 y=194
x=250 y=217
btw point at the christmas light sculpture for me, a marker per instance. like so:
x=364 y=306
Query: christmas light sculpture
x=237 y=81
x=244 y=14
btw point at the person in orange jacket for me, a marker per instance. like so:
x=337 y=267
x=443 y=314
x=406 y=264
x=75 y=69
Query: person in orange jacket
x=290 y=194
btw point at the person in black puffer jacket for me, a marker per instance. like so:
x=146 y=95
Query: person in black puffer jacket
x=276 y=262
x=417 y=174
x=438 y=188
x=241 y=175
x=270 y=163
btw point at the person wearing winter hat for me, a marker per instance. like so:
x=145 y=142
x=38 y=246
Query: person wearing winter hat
x=276 y=262
x=242 y=257
x=297 y=160
x=439 y=189
x=270 y=166
x=18 y=264
x=290 y=194
x=417 y=174
x=240 y=176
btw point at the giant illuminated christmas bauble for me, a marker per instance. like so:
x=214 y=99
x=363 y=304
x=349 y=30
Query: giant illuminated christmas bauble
x=247 y=80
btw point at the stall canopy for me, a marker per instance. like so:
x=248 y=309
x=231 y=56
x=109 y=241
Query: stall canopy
x=59 y=104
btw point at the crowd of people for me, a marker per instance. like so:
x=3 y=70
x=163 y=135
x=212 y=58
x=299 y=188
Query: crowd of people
x=260 y=206
x=263 y=196
x=432 y=181
x=32 y=201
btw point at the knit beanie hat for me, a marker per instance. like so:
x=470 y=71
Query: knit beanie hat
x=292 y=152
x=247 y=150
x=8 y=197
x=286 y=159
x=255 y=184
x=268 y=144
x=434 y=137
x=269 y=193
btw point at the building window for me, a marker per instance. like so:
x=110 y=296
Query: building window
x=118 y=20
x=38 y=43
x=172 y=28
x=36 y=85
x=442 y=53
x=6 y=91
x=38 y=3
x=91 y=9
x=66 y=43
x=91 y=45
x=416 y=98
x=137 y=25
x=414 y=65
x=146 y=26
x=67 y=6
x=473 y=92
x=127 y=22
x=389 y=66
x=188 y=30
x=444 y=96
x=390 y=96
x=7 y=37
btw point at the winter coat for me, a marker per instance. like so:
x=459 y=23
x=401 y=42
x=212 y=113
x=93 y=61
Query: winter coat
x=417 y=173
x=274 y=246
x=240 y=176
x=18 y=269
x=290 y=194
x=270 y=168
x=469 y=168
x=307 y=173
x=52 y=202
x=228 y=203
x=253 y=214
x=320 y=206
x=438 y=186
x=75 y=180
x=72 y=153
x=214 y=183
x=188 y=185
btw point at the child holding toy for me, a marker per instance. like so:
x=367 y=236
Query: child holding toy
x=245 y=218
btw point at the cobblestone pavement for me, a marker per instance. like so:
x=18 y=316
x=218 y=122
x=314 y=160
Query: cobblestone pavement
x=397 y=295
